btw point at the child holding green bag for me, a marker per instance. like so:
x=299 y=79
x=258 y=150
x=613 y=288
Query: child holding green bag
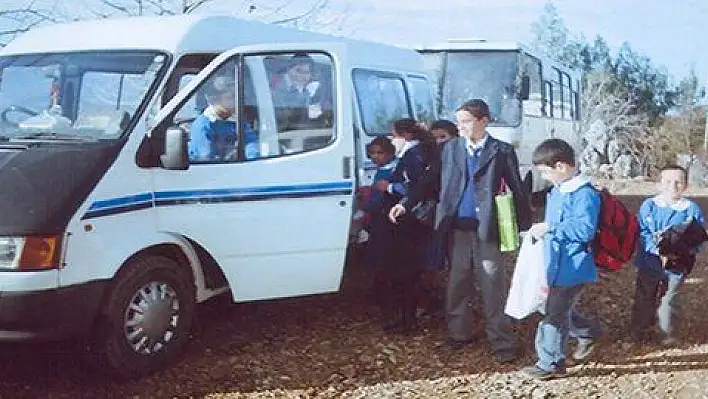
x=467 y=179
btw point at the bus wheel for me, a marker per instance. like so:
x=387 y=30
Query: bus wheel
x=146 y=320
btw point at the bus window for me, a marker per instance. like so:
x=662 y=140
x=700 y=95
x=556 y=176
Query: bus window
x=558 y=99
x=382 y=100
x=567 y=99
x=548 y=99
x=488 y=75
x=576 y=100
x=531 y=67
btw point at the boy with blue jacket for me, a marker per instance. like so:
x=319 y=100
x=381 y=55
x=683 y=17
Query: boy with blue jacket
x=656 y=295
x=570 y=224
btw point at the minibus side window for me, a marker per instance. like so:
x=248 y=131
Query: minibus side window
x=301 y=92
x=382 y=100
x=423 y=99
x=209 y=117
x=256 y=114
x=194 y=105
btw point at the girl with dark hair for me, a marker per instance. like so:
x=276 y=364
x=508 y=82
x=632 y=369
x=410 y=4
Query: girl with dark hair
x=381 y=232
x=412 y=237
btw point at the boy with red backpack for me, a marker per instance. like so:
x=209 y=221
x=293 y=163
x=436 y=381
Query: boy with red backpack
x=661 y=270
x=570 y=225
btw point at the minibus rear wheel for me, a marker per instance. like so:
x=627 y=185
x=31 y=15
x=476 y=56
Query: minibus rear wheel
x=147 y=318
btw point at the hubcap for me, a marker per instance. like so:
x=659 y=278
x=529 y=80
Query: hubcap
x=151 y=318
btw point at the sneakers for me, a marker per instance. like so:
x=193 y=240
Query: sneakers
x=669 y=341
x=538 y=373
x=584 y=348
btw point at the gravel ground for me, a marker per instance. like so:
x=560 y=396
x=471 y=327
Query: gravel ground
x=331 y=346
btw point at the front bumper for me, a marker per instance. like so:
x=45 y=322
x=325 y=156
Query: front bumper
x=49 y=314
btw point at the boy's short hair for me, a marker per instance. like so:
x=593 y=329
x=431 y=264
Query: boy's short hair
x=447 y=126
x=383 y=142
x=300 y=58
x=551 y=151
x=477 y=107
x=675 y=167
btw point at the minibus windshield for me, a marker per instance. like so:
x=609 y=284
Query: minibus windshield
x=79 y=96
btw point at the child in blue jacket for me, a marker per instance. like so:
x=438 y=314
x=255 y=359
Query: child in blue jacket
x=570 y=224
x=656 y=294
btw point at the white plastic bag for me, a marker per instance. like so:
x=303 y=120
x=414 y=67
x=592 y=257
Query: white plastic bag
x=529 y=285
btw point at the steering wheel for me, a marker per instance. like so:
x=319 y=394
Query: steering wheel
x=15 y=108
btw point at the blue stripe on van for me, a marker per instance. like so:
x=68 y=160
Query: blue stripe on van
x=180 y=197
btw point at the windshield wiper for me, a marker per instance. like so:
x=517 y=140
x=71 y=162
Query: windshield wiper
x=4 y=138
x=53 y=136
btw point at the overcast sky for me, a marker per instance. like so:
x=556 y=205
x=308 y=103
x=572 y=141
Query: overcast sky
x=672 y=33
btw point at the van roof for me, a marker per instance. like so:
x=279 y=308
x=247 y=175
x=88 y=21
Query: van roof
x=179 y=33
x=195 y=33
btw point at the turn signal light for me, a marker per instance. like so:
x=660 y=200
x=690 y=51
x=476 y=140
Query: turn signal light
x=40 y=253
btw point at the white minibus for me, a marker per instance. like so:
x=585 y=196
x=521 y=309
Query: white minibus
x=148 y=164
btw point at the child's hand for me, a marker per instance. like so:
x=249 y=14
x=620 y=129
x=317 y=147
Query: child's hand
x=359 y=215
x=395 y=212
x=382 y=185
x=538 y=230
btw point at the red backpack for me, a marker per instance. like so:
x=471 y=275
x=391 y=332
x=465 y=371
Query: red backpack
x=617 y=233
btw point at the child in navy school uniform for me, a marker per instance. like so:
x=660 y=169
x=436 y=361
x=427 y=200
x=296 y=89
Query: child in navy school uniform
x=381 y=232
x=431 y=292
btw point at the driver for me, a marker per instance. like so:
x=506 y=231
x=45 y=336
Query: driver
x=213 y=133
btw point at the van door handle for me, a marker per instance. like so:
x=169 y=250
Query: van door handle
x=347 y=167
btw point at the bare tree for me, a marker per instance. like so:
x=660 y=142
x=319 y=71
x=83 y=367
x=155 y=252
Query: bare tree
x=116 y=8
x=312 y=15
x=17 y=20
x=611 y=127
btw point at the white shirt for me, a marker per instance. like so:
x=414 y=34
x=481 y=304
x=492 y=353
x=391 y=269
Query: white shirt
x=472 y=146
x=407 y=146
x=573 y=184
x=681 y=205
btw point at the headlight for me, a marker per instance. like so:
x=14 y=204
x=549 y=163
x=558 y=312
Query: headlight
x=10 y=251
x=29 y=253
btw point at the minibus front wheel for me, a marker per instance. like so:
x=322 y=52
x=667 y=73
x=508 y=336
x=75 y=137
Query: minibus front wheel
x=147 y=318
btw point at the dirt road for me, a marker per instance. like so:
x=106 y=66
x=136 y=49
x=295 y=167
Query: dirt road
x=332 y=346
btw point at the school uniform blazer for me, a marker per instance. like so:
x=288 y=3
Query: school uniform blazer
x=448 y=177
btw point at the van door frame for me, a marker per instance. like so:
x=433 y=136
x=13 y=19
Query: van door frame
x=295 y=264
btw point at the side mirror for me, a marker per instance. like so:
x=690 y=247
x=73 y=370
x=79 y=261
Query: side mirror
x=525 y=89
x=175 y=155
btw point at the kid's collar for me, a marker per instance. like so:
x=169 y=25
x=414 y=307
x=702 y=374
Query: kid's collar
x=407 y=146
x=573 y=184
x=390 y=165
x=471 y=145
x=681 y=205
x=210 y=114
